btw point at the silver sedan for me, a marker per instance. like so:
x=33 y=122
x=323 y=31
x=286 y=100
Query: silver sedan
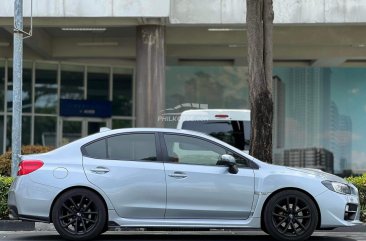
x=165 y=178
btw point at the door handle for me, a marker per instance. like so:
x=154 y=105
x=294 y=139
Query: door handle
x=178 y=175
x=100 y=170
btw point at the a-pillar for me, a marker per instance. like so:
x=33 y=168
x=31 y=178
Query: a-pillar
x=150 y=75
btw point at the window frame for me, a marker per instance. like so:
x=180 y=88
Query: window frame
x=251 y=164
x=159 y=154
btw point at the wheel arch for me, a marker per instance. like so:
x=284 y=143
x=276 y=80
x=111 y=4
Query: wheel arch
x=76 y=187
x=286 y=189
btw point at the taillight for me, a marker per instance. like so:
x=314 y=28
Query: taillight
x=27 y=166
x=221 y=116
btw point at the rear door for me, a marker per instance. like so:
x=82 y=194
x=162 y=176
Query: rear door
x=129 y=169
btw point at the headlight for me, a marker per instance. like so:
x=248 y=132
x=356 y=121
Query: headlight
x=337 y=187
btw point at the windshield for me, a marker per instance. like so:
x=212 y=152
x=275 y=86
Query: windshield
x=233 y=132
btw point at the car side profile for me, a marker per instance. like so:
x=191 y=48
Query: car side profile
x=167 y=178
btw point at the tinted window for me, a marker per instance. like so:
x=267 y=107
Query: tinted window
x=190 y=150
x=96 y=150
x=235 y=133
x=132 y=147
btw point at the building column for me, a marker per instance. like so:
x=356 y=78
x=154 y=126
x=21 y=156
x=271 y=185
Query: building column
x=150 y=75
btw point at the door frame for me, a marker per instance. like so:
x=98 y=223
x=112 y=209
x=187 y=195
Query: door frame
x=84 y=125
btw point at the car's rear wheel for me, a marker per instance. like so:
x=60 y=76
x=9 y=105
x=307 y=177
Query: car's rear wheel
x=290 y=215
x=79 y=214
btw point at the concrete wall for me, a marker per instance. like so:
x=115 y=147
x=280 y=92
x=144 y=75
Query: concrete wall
x=196 y=11
x=286 y=11
x=90 y=8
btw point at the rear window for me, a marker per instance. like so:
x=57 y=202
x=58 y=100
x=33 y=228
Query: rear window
x=126 y=147
x=235 y=133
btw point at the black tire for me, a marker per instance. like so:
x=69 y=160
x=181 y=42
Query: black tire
x=290 y=216
x=79 y=214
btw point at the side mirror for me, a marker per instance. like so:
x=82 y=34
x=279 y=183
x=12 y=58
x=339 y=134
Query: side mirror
x=229 y=161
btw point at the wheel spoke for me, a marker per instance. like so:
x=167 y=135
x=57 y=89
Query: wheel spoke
x=73 y=203
x=83 y=223
x=67 y=208
x=90 y=212
x=303 y=217
x=66 y=216
x=278 y=215
x=300 y=224
x=288 y=204
x=286 y=228
x=302 y=209
x=76 y=226
x=69 y=223
x=293 y=227
x=81 y=201
x=281 y=222
x=88 y=205
x=295 y=205
x=88 y=219
x=280 y=207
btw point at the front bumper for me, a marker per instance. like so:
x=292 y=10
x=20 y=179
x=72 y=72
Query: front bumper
x=338 y=210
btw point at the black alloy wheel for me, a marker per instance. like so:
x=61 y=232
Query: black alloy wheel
x=290 y=215
x=79 y=214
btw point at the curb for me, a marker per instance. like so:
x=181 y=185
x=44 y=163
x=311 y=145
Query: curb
x=16 y=225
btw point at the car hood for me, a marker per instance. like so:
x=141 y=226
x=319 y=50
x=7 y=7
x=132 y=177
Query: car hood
x=318 y=173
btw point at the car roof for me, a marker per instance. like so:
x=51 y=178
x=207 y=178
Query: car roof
x=102 y=134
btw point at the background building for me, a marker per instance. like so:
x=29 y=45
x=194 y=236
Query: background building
x=317 y=158
x=144 y=56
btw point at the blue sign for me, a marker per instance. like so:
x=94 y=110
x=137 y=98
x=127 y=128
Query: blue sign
x=85 y=108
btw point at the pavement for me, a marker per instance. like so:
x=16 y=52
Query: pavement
x=16 y=225
x=182 y=236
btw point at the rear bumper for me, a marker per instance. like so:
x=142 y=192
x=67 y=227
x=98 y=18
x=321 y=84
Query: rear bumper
x=30 y=201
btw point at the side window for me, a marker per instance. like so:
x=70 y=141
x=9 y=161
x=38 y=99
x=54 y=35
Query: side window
x=97 y=149
x=191 y=150
x=132 y=147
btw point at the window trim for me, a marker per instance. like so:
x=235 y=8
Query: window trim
x=251 y=164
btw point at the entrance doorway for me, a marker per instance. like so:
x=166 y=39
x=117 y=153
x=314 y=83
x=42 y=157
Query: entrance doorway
x=72 y=129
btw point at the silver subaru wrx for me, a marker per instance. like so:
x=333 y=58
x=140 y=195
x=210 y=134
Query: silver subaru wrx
x=169 y=178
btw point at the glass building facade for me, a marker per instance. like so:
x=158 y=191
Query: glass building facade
x=46 y=83
x=319 y=113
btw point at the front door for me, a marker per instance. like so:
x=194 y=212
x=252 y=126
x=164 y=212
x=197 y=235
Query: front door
x=197 y=188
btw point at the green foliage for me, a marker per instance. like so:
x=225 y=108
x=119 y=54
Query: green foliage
x=5 y=183
x=5 y=159
x=360 y=183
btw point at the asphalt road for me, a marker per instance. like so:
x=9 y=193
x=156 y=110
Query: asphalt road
x=183 y=236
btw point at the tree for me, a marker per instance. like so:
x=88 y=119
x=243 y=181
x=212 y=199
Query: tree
x=259 y=33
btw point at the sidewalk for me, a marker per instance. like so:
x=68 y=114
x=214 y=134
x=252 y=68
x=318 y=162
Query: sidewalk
x=11 y=225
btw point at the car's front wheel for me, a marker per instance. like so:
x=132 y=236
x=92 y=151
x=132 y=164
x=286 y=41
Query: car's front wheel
x=290 y=215
x=79 y=214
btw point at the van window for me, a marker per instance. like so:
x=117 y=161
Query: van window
x=235 y=133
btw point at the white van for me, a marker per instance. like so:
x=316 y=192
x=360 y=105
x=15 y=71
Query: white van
x=230 y=126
